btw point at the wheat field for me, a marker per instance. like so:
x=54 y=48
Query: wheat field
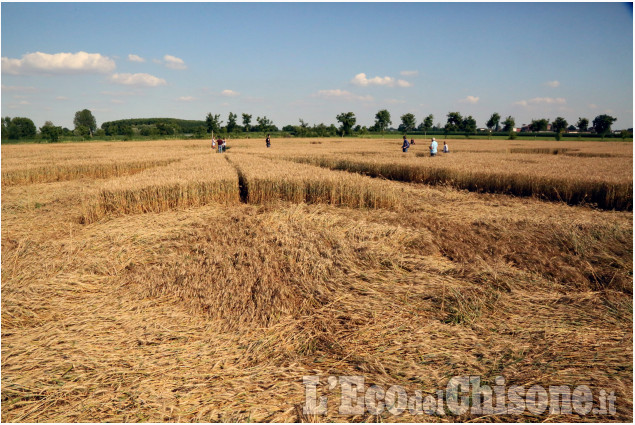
x=164 y=282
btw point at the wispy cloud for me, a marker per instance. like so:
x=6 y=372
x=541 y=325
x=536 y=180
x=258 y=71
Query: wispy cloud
x=145 y=80
x=58 y=63
x=122 y=93
x=229 y=93
x=173 y=62
x=470 y=99
x=136 y=58
x=20 y=89
x=409 y=73
x=553 y=84
x=361 y=80
x=542 y=101
x=186 y=98
x=342 y=94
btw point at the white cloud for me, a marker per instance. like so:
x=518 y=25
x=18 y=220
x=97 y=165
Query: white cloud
x=542 y=101
x=395 y=101
x=593 y=106
x=136 y=58
x=58 y=63
x=229 y=93
x=409 y=73
x=61 y=98
x=146 y=80
x=173 y=62
x=117 y=101
x=553 y=84
x=470 y=99
x=186 y=98
x=361 y=80
x=342 y=94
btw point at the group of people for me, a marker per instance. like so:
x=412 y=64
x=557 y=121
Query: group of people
x=433 y=146
x=222 y=144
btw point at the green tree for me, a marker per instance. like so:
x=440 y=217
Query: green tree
x=408 y=122
x=320 y=130
x=303 y=128
x=493 y=122
x=382 y=120
x=624 y=134
x=5 y=127
x=347 y=119
x=469 y=125
x=21 y=128
x=509 y=124
x=167 y=128
x=601 y=124
x=86 y=119
x=582 y=124
x=81 y=130
x=200 y=132
x=247 y=122
x=50 y=132
x=231 y=122
x=559 y=125
x=264 y=124
x=213 y=123
x=427 y=124
x=539 y=125
x=454 y=122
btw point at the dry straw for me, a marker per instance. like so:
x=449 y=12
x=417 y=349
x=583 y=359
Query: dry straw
x=216 y=313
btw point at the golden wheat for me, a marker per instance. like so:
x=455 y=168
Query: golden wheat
x=494 y=175
x=266 y=180
x=198 y=181
x=216 y=313
x=93 y=170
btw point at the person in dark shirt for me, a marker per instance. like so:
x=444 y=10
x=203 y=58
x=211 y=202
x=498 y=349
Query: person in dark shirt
x=405 y=145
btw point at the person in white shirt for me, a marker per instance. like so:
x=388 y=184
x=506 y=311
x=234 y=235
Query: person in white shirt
x=433 y=147
x=446 y=149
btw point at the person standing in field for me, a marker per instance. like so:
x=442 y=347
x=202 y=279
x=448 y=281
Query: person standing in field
x=268 y=141
x=405 y=145
x=433 y=147
x=213 y=143
x=446 y=149
x=412 y=142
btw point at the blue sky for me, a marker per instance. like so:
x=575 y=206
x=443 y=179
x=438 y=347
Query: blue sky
x=315 y=60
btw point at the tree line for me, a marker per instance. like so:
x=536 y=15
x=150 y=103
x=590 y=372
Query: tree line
x=86 y=126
